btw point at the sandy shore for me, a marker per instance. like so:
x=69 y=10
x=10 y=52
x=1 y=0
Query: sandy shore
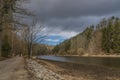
x=81 y=72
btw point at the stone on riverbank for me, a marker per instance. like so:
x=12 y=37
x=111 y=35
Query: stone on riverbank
x=40 y=72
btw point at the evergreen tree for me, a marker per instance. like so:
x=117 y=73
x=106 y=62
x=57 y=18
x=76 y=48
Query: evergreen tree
x=56 y=49
x=67 y=45
x=116 y=37
x=111 y=36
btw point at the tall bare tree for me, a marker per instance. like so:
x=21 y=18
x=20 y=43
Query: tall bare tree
x=33 y=34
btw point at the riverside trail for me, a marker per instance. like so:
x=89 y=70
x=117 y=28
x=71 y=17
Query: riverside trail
x=13 y=69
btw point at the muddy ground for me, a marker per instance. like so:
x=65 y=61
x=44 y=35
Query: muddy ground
x=71 y=71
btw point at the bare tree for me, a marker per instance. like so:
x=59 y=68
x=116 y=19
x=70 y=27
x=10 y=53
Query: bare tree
x=33 y=34
x=9 y=10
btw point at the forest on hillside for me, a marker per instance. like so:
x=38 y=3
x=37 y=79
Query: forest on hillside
x=104 y=38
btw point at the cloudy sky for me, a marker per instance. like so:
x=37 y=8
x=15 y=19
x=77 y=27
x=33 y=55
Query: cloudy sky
x=66 y=18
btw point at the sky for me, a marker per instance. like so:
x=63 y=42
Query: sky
x=64 y=19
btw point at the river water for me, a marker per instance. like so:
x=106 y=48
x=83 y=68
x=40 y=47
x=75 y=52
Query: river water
x=113 y=62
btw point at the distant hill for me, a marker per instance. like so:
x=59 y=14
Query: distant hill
x=42 y=49
x=103 y=38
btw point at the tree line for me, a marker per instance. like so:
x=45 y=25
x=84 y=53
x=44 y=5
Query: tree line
x=105 y=36
x=111 y=36
x=16 y=36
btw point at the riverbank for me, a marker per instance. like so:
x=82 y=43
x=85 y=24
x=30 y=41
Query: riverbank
x=104 y=55
x=40 y=72
x=70 y=71
x=35 y=69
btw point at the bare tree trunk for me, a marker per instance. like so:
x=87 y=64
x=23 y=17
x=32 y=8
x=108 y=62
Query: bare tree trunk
x=1 y=5
x=0 y=43
x=29 y=51
x=12 y=51
x=0 y=36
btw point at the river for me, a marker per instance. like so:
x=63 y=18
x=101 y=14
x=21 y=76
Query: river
x=113 y=62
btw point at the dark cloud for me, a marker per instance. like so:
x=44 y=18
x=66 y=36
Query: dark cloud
x=73 y=14
x=71 y=24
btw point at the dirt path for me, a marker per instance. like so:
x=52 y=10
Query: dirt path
x=13 y=69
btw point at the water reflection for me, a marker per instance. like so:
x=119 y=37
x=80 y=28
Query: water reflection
x=102 y=61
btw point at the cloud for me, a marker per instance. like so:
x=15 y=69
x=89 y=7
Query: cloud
x=47 y=9
x=57 y=32
x=67 y=18
x=52 y=40
x=73 y=15
x=58 y=36
x=65 y=35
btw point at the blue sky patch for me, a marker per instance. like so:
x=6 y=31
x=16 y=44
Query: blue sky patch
x=53 y=40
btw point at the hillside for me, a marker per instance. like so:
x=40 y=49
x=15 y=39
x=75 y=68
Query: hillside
x=103 y=38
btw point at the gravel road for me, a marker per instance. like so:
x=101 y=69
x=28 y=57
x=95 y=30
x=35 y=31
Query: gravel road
x=13 y=69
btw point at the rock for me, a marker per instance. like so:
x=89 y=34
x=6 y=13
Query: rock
x=40 y=72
